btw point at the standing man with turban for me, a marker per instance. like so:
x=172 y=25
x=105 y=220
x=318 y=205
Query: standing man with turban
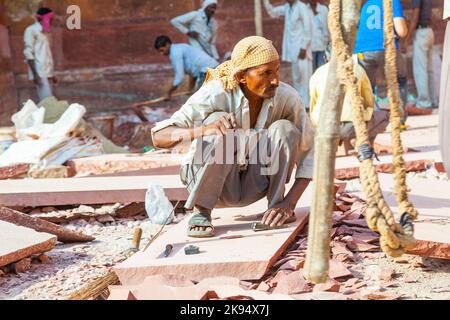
x=242 y=99
x=297 y=41
x=38 y=53
x=201 y=27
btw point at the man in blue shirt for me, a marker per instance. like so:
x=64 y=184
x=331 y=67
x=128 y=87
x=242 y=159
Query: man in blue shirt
x=185 y=59
x=370 y=42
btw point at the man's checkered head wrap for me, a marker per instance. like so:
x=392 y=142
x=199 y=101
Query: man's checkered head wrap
x=248 y=53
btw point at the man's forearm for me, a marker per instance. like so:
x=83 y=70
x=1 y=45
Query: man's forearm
x=33 y=68
x=171 y=136
x=296 y=191
x=413 y=23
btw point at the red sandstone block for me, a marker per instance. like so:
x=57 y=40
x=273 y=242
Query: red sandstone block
x=410 y=166
x=13 y=171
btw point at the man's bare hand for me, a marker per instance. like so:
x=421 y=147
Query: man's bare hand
x=54 y=80
x=37 y=80
x=302 y=54
x=193 y=34
x=277 y=216
x=221 y=126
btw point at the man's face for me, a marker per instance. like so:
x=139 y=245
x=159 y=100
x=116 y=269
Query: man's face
x=313 y=2
x=50 y=21
x=291 y=2
x=165 y=51
x=210 y=10
x=263 y=80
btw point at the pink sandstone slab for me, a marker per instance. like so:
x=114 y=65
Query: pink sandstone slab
x=410 y=166
x=422 y=133
x=17 y=243
x=120 y=293
x=351 y=162
x=95 y=190
x=235 y=251
x=113 y=163
x=432 y=199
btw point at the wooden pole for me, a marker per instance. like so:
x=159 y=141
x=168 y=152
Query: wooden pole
x=326 y=143
x=258 y=18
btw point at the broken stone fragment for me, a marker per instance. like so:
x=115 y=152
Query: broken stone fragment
x=105 y=219
x=22 y=266
x=52 y=172
x=293 y=283
x=330 y=285
x=21 y=219
x=387 y=274
x=263 y=286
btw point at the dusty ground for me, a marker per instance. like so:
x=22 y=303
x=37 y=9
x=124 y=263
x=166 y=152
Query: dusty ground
x=410 y=277
x=416 y=277
x=69 y=267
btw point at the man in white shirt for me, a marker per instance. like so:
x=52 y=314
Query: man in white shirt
x=444 y=100
x=321 y=35
x=421 y=35
x=297 y=40
x=242 y=100
x=38 y=53
x=200 y=27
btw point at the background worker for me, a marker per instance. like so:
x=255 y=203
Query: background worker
x=185 y=59
x=422 y=36
x=38 y=53
x=321 y=34
x=376 y=121
x=200 y=27
x=297 y=40
x=369 y=45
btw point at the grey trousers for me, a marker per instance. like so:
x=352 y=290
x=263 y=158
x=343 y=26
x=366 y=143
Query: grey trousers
x=376 y=125
x=374 y=60
x=423 y=68
x=444 y=103
x=213 y=185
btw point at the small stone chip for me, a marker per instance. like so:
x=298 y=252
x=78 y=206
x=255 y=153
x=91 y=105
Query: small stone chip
x=191 y=250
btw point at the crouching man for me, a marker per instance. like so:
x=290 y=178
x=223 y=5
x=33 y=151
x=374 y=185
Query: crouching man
x=376 y=120
x=248 y=132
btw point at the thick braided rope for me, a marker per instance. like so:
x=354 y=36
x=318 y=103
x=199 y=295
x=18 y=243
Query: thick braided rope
x=394 y=240
x=401 y=189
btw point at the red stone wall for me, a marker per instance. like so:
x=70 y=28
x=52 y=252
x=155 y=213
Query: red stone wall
x=8 y=98
x=121 y=32
x=117 y=32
